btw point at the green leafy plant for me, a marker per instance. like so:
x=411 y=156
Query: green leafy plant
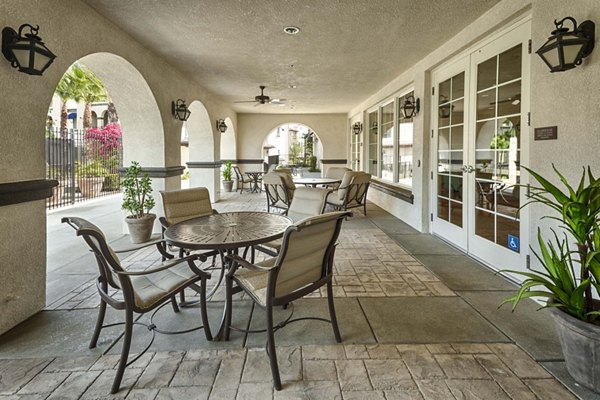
x=137 y=191
x=227 y=171
x=569 y=273
x=91 y=169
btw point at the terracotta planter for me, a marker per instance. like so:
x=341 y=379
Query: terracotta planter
x=140 y=229
x=90 y=187
x=580 y=342
x=228 y=186
x=57 y=193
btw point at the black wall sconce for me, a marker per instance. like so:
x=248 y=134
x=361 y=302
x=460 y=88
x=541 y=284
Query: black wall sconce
x=565 y=49
x=221 y=125
x=180 y=110
x=26 y=52
x=411 y=107
x=357 y=128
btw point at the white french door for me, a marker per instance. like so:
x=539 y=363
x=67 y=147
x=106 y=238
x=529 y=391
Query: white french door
x=479 y=143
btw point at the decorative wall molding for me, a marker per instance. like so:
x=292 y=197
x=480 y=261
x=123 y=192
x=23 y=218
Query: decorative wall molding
x=250 y=161
x=207 y=165
x=24 y=191
x=335 y=161
x=393 y=190
x=159 y=172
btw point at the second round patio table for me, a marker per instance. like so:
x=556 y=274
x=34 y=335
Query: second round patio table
x=316 y=181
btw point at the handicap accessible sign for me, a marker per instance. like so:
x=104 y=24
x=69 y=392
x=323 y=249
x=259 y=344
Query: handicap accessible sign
x=513 y=243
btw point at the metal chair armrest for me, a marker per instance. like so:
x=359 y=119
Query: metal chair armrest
x=189 y=259
x=163 y=222
x=237 y=261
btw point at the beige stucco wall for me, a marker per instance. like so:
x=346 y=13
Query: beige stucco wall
x=330 y=128
x=72 y=30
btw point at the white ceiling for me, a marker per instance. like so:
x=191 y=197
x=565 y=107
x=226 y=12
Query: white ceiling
x=346 y=49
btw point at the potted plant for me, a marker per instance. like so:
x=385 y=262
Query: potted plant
x=138 y=200
x=55 y=172
x=90 y=177
x=571 y=272
x=227 y=181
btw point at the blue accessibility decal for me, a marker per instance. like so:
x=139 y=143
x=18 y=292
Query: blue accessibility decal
x=513 y=243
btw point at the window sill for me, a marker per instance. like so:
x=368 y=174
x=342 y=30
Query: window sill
x=393 y=190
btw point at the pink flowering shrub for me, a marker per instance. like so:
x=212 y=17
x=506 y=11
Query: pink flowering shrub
x=102 y=143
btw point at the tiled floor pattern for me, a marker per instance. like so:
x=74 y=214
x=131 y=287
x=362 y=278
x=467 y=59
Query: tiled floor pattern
x=393 y=372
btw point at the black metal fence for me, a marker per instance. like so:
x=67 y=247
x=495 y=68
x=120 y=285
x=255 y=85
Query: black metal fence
x=86 y=166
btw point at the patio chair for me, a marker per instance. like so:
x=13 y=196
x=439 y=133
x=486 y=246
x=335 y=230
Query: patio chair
x=142 y=291
x=307 y=202
x=352 y=192
x=335 y=173
x=240 y=178
x=181 y=205
x=280 y=189
x=304 y=264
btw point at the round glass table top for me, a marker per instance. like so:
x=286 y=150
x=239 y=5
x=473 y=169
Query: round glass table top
x=228 y=230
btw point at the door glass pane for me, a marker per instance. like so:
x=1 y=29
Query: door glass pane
x=510 y=65
x=497 y=147
x=373 y=129
x=451 y=149
x=387 y=142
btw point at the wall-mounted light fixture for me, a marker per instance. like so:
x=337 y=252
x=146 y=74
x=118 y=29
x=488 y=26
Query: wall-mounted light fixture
x=180 y=110
x=26 y=52
x=565 y=49
x=221 y=125
x=411 y=107
x=357 y=128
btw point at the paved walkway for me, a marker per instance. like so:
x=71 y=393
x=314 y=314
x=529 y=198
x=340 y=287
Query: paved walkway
x=419 y=320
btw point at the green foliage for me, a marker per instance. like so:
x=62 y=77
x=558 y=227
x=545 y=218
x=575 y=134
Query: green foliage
x=569 y=273
x=227 y=171
x=90 y=169
x=295 y=152
x=137 y=191
x=111 y=182
x=185 y=176
x=312 y=164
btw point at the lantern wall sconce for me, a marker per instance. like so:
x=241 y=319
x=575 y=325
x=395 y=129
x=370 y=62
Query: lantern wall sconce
x=357 y=128
x=26 y=52
x=221 y=125
x=565 y=49
x=180 y=110
x=411 y=107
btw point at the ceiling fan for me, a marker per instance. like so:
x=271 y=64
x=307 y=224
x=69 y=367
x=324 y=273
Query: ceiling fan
x=263 y=99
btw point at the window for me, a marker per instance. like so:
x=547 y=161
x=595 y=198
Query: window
x=355 y=149
x=390 y=142
x=405 y=144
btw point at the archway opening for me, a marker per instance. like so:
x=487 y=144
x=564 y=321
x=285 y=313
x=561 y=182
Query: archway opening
x=293 y=145
x=203 y=171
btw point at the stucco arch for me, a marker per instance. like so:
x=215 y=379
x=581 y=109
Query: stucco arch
x=228 y=142
x=139 y=115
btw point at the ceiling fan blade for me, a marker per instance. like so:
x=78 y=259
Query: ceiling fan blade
x=245 y=101
x=278 y=101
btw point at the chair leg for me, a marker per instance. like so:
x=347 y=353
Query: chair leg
x=182 y=296
x=174 y=303
x=228 y=307
x=99 y=323
x=203 y=313
x=365 y=207
x=124 y=351
x=271 y=349
x=332 y=316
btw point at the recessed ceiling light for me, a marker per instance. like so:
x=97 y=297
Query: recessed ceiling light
x=291 y=30
x=292 y=86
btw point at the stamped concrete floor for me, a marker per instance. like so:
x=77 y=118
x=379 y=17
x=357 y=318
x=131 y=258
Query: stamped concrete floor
x=419 y=320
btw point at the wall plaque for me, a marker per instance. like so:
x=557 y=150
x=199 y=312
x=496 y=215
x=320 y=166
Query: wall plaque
x=545 y=133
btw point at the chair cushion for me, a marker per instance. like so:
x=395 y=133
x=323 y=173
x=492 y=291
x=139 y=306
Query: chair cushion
x=255 y=282
x=307 y=202
x=150 y=289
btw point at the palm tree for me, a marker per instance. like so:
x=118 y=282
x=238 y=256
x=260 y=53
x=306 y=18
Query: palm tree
x=66 y=91
x=90 y=88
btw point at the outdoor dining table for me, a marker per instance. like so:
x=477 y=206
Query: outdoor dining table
x=226 y=233
x=316 y=181
x=255 y=176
